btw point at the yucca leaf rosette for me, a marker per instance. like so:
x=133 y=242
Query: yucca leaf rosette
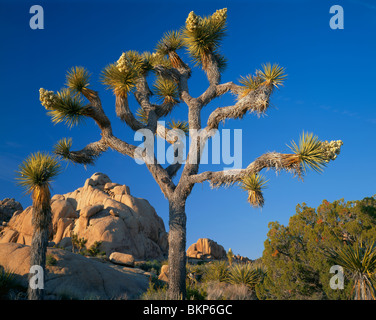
x=77 y=80
x=254 y=184
x=311 y=153
x=168 y=45
x=167 y=91
x=35 y=174
x=202 y=37
x=64 y=106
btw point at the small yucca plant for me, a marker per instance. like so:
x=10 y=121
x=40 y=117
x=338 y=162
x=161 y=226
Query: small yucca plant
x=254 y=184
x=7 y=281
x=308 y=154
x=216 y=271
x=359 y=260
x=245 y=274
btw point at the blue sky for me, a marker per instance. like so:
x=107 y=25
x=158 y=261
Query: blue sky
x=329 y=91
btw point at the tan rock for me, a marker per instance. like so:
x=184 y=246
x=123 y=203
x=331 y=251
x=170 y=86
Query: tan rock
x=122 y=258
x=206 y=248
x=76 y=276
x=164 y=273
x=130 y=225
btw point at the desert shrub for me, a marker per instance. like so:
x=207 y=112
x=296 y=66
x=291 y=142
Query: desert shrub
x=226 y=291
x=216 y=271
x=9 y=285
x=78 y=244
x=94 y=250
x=294 y=255
x=50 y=260
x=151 y=266
x=155 y=291
x=195 y=290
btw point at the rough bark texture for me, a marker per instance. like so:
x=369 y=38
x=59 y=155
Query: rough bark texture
x=176 y=251
x=42 y=224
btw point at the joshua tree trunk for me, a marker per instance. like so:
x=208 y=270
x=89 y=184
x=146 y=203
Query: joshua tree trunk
x=38 y=249
x=176 y=253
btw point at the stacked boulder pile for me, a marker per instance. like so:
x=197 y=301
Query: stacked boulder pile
x=100 y=211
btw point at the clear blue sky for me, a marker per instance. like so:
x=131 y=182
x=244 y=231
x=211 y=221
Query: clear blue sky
x=329 y=91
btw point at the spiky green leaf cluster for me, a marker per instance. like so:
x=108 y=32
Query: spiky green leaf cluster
x=245 y=274
x=37 y=170
x=67 y=107
x=250 y=83
x=171 y=41
x=180 y=125
x=273 y=75
x=62 y=148
x=359 y=257
x=202 y=37
x=253 y=182
x=142 y=115
x=309 y=152
x=360 y=260
x=166 y=90
x=121 y=77
x=130 y=60
x=77 y=79
x=155 y=59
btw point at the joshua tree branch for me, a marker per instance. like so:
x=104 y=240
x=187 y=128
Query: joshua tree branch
x=216 y=91
x=255 y=101
x=125 y=114
x=270 y=160
x=181 y=76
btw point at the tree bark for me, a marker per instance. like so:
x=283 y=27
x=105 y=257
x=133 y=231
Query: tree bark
x=38 y=249
x=176 y=251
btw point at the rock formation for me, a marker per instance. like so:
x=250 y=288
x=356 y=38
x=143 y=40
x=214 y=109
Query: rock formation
x=206 y=249
x=99 y=211
x=164 y=273
x=7 y=208
x=74 y=276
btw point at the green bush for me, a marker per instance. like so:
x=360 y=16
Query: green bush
x=216 y=271
x=151 y=266
x=156 y=291
x=50 y=260
x=9 y=283
x=298 y=267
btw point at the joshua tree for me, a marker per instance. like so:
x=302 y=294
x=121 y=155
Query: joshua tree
x=35 y=175
x=201 y=37
x=230 y=256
